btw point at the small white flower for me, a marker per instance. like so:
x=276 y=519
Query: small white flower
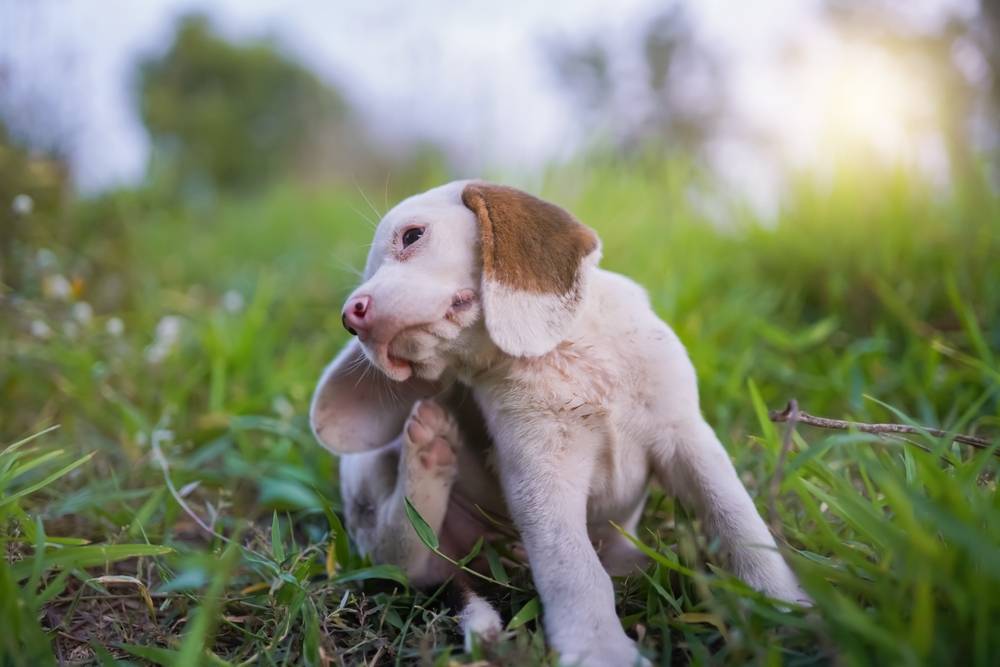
x=45 y=258
x=39 y=329
x=23 y=204
x=232 y=301
x=156 y=353
x=114 y=326
x=168 y=332
x=168 y=329
x=83 y=312
x=57 y=287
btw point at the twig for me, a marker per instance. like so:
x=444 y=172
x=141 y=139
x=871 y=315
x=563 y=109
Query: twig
x=792 y=417
x=161 y=460
x=792 y=414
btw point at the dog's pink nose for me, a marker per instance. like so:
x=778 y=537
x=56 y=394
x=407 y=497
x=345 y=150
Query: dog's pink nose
x=354 y=314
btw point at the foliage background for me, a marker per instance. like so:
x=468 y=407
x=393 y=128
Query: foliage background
x=173 y=332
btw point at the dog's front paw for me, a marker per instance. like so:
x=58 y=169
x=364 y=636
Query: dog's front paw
x=774 y=578
x=431 y=439
x=604 y=652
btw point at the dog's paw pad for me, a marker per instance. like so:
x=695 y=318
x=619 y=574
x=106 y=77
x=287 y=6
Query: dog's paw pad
x=431 y=436
x=438 y=454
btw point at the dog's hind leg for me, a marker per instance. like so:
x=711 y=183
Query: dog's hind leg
x=420 y=465
x=692 y=464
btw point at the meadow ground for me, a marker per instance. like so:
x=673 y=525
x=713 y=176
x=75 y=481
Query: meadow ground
x=176 y=350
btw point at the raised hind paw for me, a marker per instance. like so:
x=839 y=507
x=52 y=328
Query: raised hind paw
x=431 y=440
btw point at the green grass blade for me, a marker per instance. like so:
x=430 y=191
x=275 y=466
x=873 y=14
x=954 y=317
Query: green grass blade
x=529 y=612
x=89 y=556
x=28 y=466
x=45 y=482
x=202 y=626
x=422 y=528
x=277 y=547
x=389 y=572
x=23 y=441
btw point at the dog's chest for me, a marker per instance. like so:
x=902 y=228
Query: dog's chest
x=574 y=381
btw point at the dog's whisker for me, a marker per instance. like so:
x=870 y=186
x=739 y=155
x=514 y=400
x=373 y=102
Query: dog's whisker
x=388 y=398
x=385 y=194
x=343 y=265
x=355 y=365
x=364 y=373
x=391 y=391
x=371 y=223
x=378 y=216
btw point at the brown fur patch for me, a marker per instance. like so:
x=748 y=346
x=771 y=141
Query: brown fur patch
x=527 y=243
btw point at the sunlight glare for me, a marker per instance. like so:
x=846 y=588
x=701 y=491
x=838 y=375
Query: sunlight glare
x=857 y=101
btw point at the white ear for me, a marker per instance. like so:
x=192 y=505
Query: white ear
x=356 y=408
x=536 y=261
x=530 y=324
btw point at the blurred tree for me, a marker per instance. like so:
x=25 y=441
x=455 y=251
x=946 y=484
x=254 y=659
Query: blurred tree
x=684 y=81
x=664 y=89
x=985 y=30
x=959 y=55
x=227 y=116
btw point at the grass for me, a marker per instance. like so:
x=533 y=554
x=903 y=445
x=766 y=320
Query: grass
x=869 y=298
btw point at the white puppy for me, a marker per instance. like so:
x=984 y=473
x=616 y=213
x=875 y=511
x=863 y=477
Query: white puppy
x=496 y=365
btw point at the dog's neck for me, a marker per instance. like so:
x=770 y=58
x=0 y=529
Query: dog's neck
x=475 y=356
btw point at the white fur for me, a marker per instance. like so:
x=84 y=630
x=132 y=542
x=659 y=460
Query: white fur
x=539 y=326
x=529 y=324
x=577 y=426
x=479 y=619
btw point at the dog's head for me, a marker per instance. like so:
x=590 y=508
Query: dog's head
x=463 y=265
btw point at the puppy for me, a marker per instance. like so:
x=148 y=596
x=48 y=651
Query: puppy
x=495 y=365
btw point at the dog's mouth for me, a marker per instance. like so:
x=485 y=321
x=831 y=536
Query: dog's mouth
x=403 y=356
x=395 y=367
x=414 y=349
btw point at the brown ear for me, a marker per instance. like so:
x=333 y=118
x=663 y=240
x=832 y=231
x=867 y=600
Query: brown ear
x=354 y=409
x=536 y=258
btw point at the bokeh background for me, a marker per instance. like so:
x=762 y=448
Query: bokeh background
x=123 y=95
x=808 y=190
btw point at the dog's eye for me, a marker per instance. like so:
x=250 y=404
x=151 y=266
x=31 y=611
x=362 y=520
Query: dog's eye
x=412 y=235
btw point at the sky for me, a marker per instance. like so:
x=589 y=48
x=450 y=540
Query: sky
x=470 y=76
